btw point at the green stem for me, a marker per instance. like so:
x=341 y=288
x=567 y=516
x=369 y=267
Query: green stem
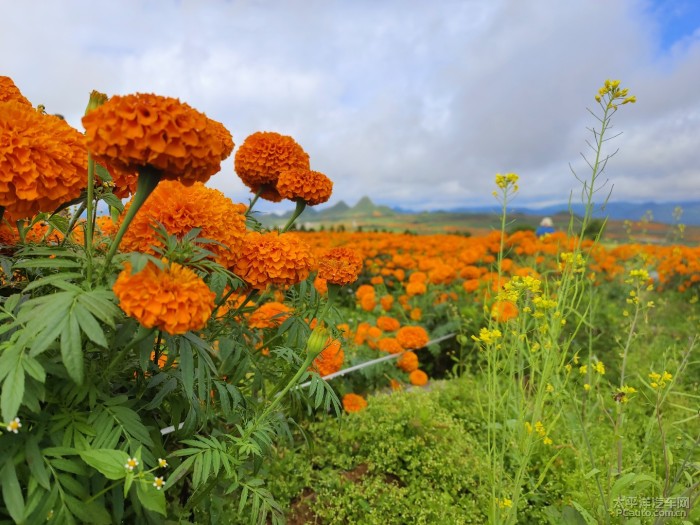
x=72 y=222
x=88 y=206
x=148 y=180
x=255 y=199
x=301 y=205
x=278 y=398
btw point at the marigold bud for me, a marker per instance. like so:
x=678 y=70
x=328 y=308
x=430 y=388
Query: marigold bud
x=317 y=342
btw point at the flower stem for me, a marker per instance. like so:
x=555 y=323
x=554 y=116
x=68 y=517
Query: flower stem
x=89 y=229
x=148 y=180
x=301 y=205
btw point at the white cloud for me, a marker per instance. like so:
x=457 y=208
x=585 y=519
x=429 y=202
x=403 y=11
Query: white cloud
x=414 y=103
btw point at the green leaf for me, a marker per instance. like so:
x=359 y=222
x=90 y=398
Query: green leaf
x=112 y=200
x=12 y=492
x=100 y=303
x=12 y=302
x=51 y=279
x=110 y=463
x=34 y=368
x=150 y=497
x=91 y=512
x=72 y=349
x=102 y=173
x=89 y=325
x=36 y=462
x=8 y=359
x=12 y=392
x=186 y=367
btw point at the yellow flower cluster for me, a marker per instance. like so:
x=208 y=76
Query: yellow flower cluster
x=509 y=180
x=623 y=393
x=659 y=381
x=539 y=430
x=612 y=90
x=567 y=259
x=487 y=336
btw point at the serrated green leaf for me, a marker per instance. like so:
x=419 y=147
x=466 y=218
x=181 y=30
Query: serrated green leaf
x=36 y=462
x=89 y=325
x=150 y=497
x=112 y=200
x=100 y=303
x=50 y=279
x=91 y=512
x=8 y=359
x=102 y=173
x=34 y=368
x=110 y=463
x=72 y=349
x=12 y=392
x=11 y=302
x=186 y=368
x=12 y=492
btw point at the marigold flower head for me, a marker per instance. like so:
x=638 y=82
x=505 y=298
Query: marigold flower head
x=388 y=324
x=354 y=403
x=142 y=129
x=418 y=378
x=174 y=299
x=408 y=362
x=412 y=337
x=269 y=315
x=263 y=156
x=330 y=360
x=389 y=345
x=43 y=161
x=272 y=258
x=181 y=208
x=503 y=311
x=10 y=92
x=301 y=184
x=340 y=266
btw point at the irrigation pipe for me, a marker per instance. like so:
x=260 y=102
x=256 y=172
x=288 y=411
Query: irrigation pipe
x=344 y=371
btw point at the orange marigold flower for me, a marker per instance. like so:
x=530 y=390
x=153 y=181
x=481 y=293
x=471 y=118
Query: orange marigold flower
x=388 y=324
x=263 y=156
x=301 y=184
x=471 y=285
x=10 y=92
x=416 y=314
x=412 y=337
x=106 y=225
x=330 y=360
x=43 y=161
x=354 y=403
x=368 y=303
x=387 y=301
x=365 y=289
x=415 y=288
x=418 y=378
x=272 y=258
x=269 y=315
x=408 y=362
x=181 y=208
x=503 y=311
x=390 y=345
x=143 y=129
x=340 y=266
x=174 y=299
x=321 y=285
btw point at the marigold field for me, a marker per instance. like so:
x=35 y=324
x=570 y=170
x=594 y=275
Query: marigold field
x=175 y=361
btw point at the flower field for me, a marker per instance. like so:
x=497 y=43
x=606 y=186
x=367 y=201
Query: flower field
x=174 y=361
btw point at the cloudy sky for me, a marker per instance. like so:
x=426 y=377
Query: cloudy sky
x=415 y=103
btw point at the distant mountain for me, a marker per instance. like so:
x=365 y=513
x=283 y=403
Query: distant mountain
x=664 y=213
x=618 y=211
